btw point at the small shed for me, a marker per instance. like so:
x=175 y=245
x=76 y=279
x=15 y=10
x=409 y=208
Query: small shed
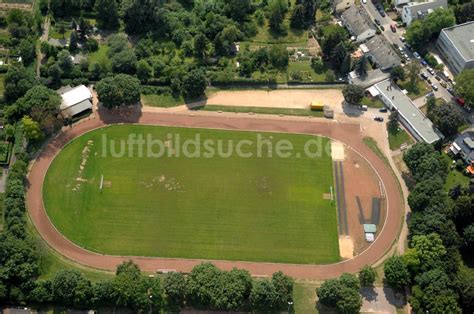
x=370 y=228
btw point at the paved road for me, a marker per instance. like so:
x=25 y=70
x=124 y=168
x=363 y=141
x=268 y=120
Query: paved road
x=347 y=133
x=394 y=38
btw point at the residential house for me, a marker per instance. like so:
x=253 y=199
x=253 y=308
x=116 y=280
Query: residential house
x=463 y=146
x=339 y=6
x=358 y=23
x=372 y=77
x=380 y=52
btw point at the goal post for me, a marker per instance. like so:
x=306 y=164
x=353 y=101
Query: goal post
x=101 y=182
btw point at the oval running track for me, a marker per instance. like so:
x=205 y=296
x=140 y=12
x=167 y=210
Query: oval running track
x=347 y=133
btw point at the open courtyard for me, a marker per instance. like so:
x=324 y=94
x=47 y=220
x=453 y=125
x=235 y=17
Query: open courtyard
x=254 y=208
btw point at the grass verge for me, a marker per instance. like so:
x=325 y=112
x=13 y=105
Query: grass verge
x=263 y=110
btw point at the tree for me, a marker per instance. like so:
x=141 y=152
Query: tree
x=276 y=14
x=18 y=81
x=65 y=61
x=131 y=289
x=107 y=14
x=31 y=129
x=226 y=38
x=41 y=104
x=341 y=294
x=426 y=194
x=194 y=84
x=396 y=273
x=465 y=86
x=71 y=288
x=447 y=118
x=238 y=10
x=175 y=289
x=263 y=296
x=201 y=46
x=283 y=288
x=27 y=50
x=397 y=73
x=278 y=56
x=392 y=124
x=121 y=89
x=124 y=61
x=353 y=94
x=361 y=66
x=144 y=70
x=339 y=57
x=317 y=64
x=413 y=75
x=367 y=276
x=73 y=41
x=332 y=35
x=421 y=31
x=414 y=155
x=464 y=12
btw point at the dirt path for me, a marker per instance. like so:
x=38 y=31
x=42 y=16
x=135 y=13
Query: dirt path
x=346 y=133
x=285 y=98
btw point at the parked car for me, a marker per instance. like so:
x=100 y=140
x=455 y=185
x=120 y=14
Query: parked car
x=429 y=81
x=424 y=63
x=379 y=119
x=432 y=72
x=430 y=94
x=437 y=78
x=382 y=13
x=408 y=45
x=434 y=86
x=460 y=101
x=400 y=49
x=443 y=83
x=364 y=1
x=424 y=76
x=396 y=45
x=417 y=55
x=383 y=110
x=402 y=39
x=393 y=27
x=450 y=90
x=377 y=22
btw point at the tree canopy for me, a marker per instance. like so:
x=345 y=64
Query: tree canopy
x=121 y=89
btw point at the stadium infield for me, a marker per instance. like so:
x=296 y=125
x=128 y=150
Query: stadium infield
x=248 y=209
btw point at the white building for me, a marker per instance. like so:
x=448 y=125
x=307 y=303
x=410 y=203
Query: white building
x=75 y=101
x=456 y=45
x=418 y=10
x=419 y=126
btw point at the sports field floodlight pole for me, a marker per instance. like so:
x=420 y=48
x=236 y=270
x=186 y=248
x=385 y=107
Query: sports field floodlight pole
x=290 y=303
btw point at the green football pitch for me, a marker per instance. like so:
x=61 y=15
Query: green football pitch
x=264 y=208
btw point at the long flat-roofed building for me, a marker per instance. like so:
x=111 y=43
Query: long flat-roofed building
x=419 y=126
x=456 y=45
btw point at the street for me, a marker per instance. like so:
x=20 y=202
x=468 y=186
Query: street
x=394 y=38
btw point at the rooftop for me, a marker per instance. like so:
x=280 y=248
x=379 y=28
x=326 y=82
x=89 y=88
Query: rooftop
x=370 y=79
x=74 y=96
x=408 y=110
x=462 y=38
x=425 y=6
x=382 y=51
x=465 y=141
x=358 y=20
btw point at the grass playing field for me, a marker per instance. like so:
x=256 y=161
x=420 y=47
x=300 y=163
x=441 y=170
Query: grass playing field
x=251 y=209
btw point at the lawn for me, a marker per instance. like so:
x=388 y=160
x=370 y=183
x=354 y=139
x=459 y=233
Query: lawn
x=304 y=69
x=395 y=140
x=454 y=178
x=304 y=297
x=99 y=56
x=264 y=110
x=165 y=101
x=372 y=102
x=233 y=208
x=422 y=88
